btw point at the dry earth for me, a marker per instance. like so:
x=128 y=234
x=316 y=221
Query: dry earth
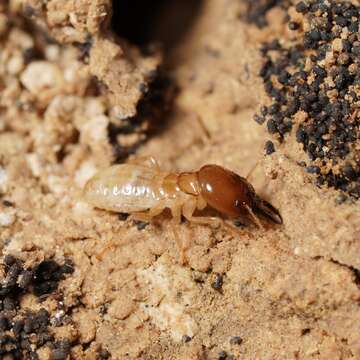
x=288 y=292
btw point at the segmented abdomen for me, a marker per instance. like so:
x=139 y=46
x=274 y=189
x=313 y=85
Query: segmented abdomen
x=125 y=188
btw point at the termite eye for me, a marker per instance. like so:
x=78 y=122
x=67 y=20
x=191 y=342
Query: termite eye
x=239 y=204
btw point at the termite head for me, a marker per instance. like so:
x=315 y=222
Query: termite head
x=232 y=194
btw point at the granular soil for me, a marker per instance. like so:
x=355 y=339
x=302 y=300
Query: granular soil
x=255 y=11
x=314 y=85
x=81 y=283
x=23 y=332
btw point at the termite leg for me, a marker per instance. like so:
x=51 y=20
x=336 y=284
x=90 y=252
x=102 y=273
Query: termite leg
x=204 y=129
x=176 y=214
x=188 y=210
x=252 y=170
x=140 y=216
x=180 y=246
x=147 y=216
x=157 y=210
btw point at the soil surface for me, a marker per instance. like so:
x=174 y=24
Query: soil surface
x=82 y=283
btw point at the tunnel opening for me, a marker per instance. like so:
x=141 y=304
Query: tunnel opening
x=162 y=22
x=160 y=25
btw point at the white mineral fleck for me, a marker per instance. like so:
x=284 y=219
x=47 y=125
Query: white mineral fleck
x=86 y=171
x=34 y=164
x=96 y=128
x=81 y=208
x=3 y=178
x=167 y=310
x=15 y=65
x=7 y=218
x=41 y=75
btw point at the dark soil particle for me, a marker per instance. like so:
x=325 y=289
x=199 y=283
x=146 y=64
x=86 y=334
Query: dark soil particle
x=7 y=203
x=186 y=338
x=103 y=354
x=236 y=340
x=61 y=350
x=123 y=216
x=269 y=147
x=47 y=275
x=256 y=10
x=341 y=198
x=22 y=332
x=312 y=169
x=223 y=355
x=141 y=225
x=318 y=98
x=218 y=283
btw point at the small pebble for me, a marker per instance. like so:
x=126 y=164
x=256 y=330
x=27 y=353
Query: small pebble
x=293 y=25
x=39 y=76
x=4 y=323
x=123 y=216
x=218 y=283
x=59 y=354
x=7 y=219
x=7 y=203
x=186 y=338
x=269 y=147
x=341 y=198
x=259 y=119
x=104 y=354
x=141 y=225
x=236 y=340
x=312 y=169
x=301 y=7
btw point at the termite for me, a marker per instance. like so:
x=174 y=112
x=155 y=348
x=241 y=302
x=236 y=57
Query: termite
x=143 y=190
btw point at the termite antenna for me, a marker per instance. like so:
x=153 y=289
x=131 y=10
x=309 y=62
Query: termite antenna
x=203 y=128
x=254 y=167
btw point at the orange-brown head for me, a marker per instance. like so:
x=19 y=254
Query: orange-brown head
x=232 y=194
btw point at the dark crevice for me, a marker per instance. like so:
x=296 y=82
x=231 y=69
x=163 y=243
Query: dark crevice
x=354 y=271
x=158 y=26
x=151 y=110
x=144 y=22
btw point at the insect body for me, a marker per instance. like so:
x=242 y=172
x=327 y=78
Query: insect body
x=144 y=191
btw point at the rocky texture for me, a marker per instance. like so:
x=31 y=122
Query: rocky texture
x=122 y=72
x=25 y=333
x=314 y=103
x=286 y=292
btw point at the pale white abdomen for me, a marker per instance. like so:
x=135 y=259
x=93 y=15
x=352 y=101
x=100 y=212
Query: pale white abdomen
x=125 y=188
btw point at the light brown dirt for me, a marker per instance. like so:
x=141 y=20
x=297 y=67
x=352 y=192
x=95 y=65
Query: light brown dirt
x=290 y=292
